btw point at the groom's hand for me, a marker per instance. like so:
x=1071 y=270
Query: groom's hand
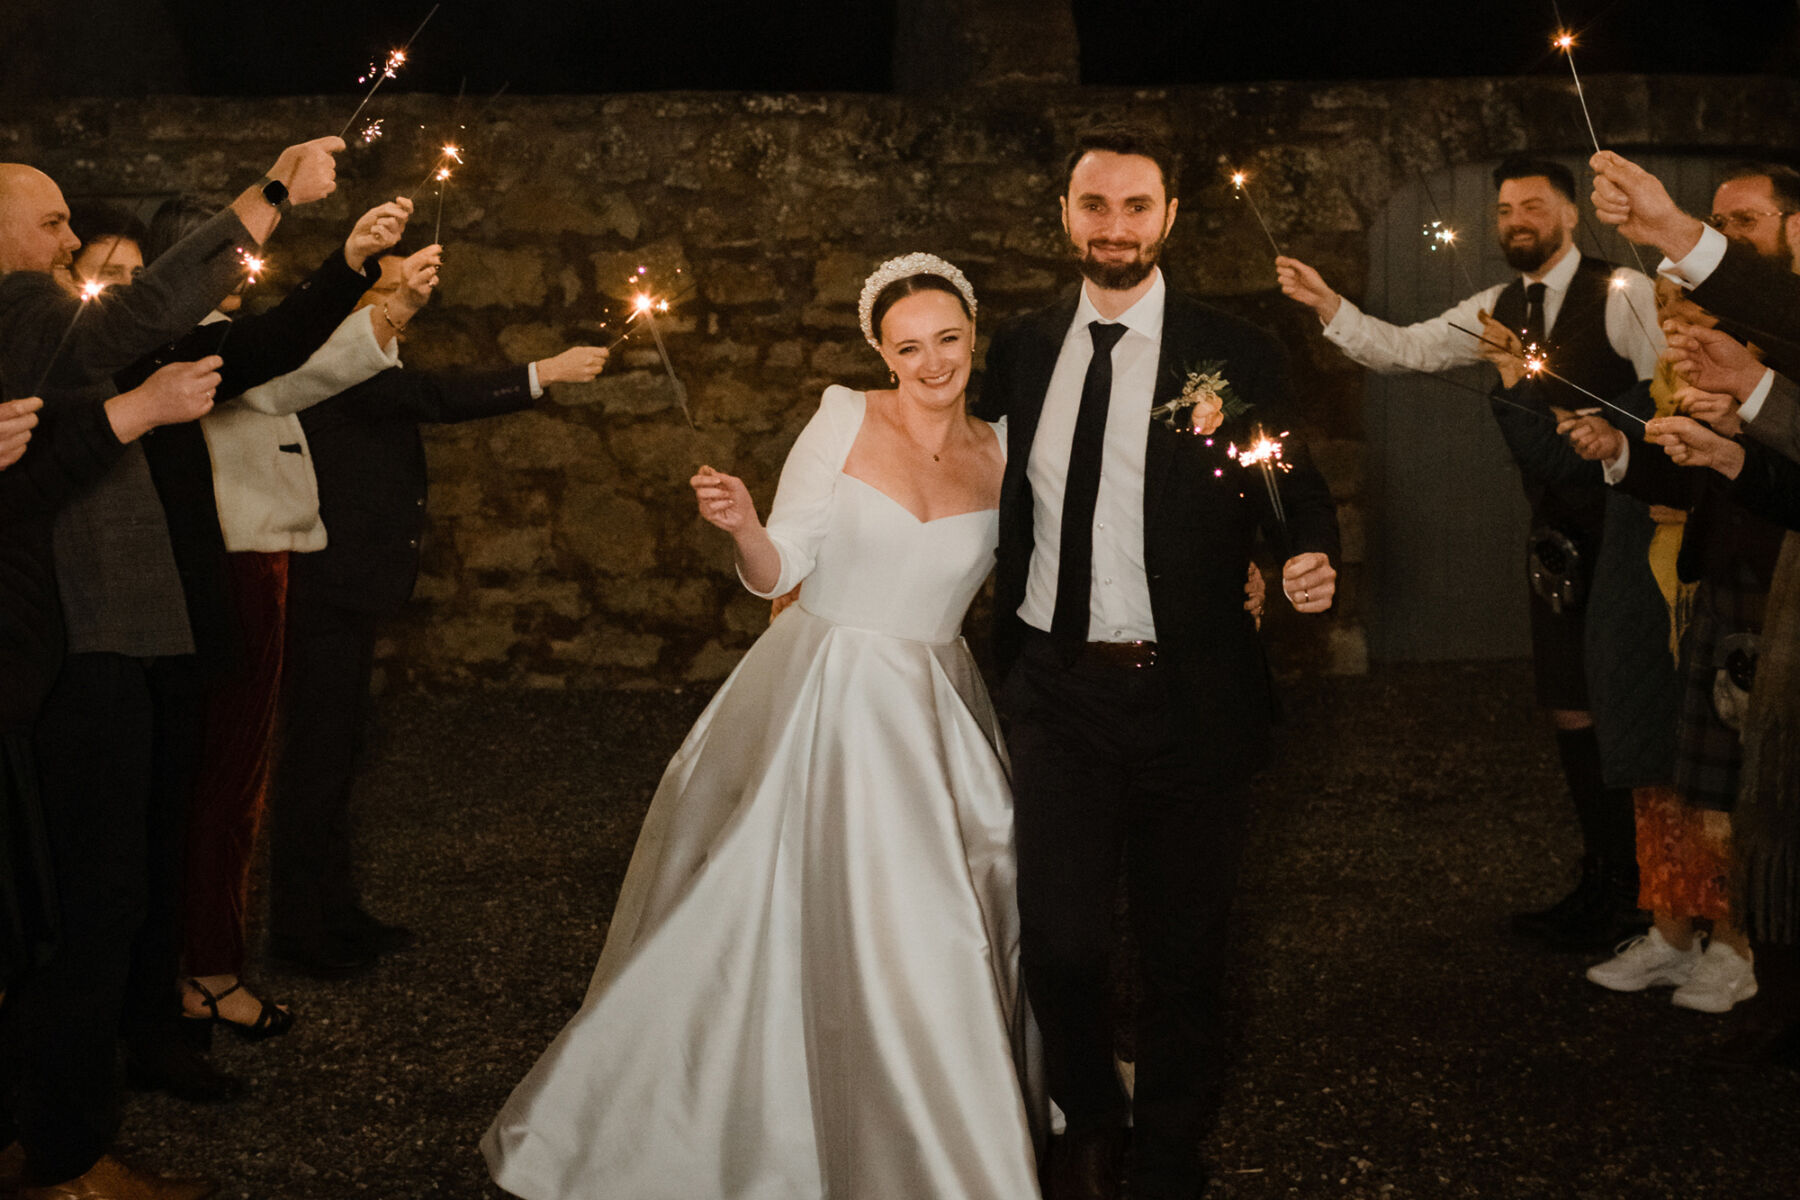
x=1254 y=591
x=1309 y=581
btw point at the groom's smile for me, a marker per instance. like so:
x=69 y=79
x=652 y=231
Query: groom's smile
x=1117 y=215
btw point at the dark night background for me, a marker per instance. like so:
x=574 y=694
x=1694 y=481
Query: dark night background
x=588 y=46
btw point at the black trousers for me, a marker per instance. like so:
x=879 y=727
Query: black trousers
x=329 y=660
x=1106 y=777
x=112 y=818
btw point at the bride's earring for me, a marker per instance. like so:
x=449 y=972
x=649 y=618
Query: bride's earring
x=893 y=379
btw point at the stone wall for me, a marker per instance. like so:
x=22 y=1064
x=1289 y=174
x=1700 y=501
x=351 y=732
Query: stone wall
x=563 y=548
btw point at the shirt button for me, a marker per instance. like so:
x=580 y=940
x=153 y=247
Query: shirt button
x=1118 y=633
x=1107 y=582
x=1100 y=525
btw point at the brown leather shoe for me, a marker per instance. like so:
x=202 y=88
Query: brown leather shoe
x=1087 y=1165
x=110 y=1179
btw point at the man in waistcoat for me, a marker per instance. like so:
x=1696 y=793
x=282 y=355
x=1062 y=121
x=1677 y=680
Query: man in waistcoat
x=1579 y=311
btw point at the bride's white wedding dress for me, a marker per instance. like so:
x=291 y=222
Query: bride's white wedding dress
x=810 y=985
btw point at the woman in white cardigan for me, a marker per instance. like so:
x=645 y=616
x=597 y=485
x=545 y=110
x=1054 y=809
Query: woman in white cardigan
x=268 y=505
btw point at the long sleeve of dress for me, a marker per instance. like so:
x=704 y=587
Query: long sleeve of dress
x=809 y=478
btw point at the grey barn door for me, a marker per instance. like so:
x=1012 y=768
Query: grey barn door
x=1447 y=551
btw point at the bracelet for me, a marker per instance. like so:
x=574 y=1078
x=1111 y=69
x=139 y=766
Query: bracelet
x=389 y=318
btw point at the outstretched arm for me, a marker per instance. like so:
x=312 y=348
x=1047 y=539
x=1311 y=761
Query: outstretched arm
x=1431 y=345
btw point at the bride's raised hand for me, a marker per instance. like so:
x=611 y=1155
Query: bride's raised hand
x=724 y=500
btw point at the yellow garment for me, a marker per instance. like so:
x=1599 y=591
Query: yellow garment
x=1665 y=543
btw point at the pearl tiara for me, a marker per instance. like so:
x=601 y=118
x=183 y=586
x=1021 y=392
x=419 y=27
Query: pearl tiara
x=907 y=265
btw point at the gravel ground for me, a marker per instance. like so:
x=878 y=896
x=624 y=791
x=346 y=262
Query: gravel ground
x=1393 y=1041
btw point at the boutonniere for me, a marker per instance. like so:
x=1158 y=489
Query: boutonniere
x=1206 y=402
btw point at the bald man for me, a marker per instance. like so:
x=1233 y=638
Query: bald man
x=127 y=633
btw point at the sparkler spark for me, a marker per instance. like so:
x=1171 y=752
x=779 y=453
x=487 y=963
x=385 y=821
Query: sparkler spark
x=1239 y=181
x=371 y=133
x=396 y=58
x=1264 y=454
x=91 y=289
x=1440 y=235
x=1565 y=41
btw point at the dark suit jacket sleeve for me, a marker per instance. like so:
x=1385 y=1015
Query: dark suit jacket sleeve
x=436 y=397
x=1758 y=297
x=126 y=322
x=1529 y=428
x=1311 y=515
x=1655 y=478
x=262 y=346
x=69 y=451
x=1769 y=485
x=991 y=402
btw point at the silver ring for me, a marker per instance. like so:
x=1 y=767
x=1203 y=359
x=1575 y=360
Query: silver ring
x=1305 y=596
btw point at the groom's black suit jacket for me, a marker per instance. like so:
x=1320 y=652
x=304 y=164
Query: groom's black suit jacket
x=1201 y=509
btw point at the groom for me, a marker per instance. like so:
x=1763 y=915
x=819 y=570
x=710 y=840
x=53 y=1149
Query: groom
x=1137 y=691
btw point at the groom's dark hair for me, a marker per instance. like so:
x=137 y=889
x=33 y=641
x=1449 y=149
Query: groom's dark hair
x=1120 y=137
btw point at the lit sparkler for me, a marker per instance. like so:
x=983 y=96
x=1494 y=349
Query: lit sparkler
x=645 y=304
x=1264 y=454
x=89 y=292
x=385 y=70
x=1537 y=363
x=253 y=269
x=1240 y=183
x=1565 y=41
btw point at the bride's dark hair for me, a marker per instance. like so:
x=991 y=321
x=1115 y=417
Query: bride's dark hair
x=898 y=290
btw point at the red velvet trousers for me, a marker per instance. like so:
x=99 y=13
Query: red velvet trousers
x=231 y=795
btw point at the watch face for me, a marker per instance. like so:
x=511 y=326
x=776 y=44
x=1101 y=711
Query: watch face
x=275 y=192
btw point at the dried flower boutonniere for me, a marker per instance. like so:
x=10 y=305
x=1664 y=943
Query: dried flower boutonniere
x=1206 y=402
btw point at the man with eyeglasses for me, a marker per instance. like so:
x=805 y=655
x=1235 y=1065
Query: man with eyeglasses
x=1758 y=205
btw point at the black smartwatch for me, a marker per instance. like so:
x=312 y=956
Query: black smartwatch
x=276 y=193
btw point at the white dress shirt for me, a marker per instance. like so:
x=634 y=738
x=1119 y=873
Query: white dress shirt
x=1700 y=262
x=1433 y=345
x=1119 y=592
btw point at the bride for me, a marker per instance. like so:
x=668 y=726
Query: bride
x=810 y=983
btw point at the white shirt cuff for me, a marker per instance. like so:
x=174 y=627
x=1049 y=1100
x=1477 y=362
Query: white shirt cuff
x=1615 y=470
x=1700 y=262
x=1754 y=401
x=537 y=389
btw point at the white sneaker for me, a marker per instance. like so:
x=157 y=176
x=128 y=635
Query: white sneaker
x=1646 y=961
x=1721 y=979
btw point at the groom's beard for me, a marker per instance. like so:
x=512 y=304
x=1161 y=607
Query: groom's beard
x=1119 y=275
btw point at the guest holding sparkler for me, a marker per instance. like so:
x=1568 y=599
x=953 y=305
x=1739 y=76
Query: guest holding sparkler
x=1748 y=274
x=239 y=495
x=1599 y=336
x=1758 y=295
x=127 y=632
x=369 y=464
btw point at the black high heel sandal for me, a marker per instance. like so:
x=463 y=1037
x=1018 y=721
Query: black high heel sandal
x=271 y=1022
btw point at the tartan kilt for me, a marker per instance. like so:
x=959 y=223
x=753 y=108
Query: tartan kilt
x=1709 y=753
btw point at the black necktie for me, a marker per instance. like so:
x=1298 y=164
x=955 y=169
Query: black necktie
x=1075 y=560
x=1534 y=315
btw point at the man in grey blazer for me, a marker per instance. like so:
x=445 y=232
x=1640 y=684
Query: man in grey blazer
x=127 y=631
